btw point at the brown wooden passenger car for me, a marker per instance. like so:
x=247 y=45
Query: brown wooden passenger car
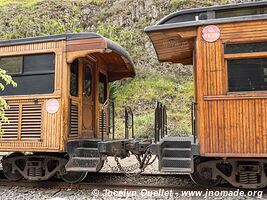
x=228 y=47
x=62 y=87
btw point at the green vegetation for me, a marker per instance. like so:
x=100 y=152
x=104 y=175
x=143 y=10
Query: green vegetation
x=119 y=34
x=24 y=3
x=122 y=21
x=5 y=80
x=141 y=94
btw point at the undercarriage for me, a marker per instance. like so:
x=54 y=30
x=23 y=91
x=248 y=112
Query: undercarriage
x=179 y=155
x=239 y=172
x=34 y=167
x=83 y=156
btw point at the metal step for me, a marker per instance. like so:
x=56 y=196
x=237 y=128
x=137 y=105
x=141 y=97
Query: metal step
x=89 y=164
x=175 y=155
x=84 y=169
x=177 y=144
x=177 y=152
x=176 y=162
x=73 y=145
x=177 y=170
x=86 y=152
x=88 y=143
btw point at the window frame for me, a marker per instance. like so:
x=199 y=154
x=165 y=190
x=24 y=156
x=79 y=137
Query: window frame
x=34 y=73
x=236 y=56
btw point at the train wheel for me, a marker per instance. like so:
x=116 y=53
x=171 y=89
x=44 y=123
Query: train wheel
x=74 y=177
x=203 y=177
x=100 y=165
x=7 y=168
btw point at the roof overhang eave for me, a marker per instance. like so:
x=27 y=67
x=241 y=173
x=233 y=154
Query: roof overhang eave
x=204 y=22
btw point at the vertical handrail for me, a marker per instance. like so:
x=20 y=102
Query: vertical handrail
x=156 y=124
x=113 y=120
x=193 y=119
x=126 y=123
x=165 y=121
x=102 y=117
x=70 y=104
x=128 y=111
x=160 y=122
x=102 y=124
x=132 y=124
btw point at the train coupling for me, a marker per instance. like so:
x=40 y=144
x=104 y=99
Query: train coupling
x=123 y=148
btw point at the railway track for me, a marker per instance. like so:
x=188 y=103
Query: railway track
x=115 y=181
x=97 y=185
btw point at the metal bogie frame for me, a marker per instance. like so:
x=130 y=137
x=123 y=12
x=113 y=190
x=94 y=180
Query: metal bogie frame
x=33 y=167
x=239 y=172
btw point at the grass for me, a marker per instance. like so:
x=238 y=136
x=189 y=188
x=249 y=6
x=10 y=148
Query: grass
x=22 y=3
x=141 y=94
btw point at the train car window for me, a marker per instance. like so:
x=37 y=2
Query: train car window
x=45 y=63
x=226 y=13
x=102 y=88
x=12 y=65
x=74 y=75
x=87 y=81
x=34 y=74
x=245 y=47
x=247 y=74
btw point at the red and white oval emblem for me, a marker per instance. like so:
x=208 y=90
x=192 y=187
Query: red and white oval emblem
x=52 y=106
x=211 y=33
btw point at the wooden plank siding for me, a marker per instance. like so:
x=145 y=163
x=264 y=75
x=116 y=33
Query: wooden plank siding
x=51 y=138
x=229 y=123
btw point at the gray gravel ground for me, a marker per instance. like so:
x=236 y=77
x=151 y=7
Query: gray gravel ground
x=14 y=193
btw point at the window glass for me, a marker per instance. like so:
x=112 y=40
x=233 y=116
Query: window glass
x=240 y=12
x=38 y=63
x=102 y=88
x=245 y=47
x=87 y=80
x=12 y=65
x=37 y=84
x=247 y=74
x=74 y=78
x=30 y=73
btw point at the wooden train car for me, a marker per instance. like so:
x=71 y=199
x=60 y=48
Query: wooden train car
x=227 y=47
x=62 y=87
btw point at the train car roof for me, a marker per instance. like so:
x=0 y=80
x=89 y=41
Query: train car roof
x=68 y=36
x=49 y=38
x=212 y=15
x=173 y=36
x=110 y=46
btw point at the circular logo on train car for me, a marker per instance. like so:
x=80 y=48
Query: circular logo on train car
x=52 y=106
x=211 y=33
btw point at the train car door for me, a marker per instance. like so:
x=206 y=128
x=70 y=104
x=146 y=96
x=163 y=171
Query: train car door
x=88 y=112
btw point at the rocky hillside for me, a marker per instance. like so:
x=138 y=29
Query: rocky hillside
x=124 y=22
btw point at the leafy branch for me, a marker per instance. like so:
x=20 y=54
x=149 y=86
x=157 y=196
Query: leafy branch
x=6 y=80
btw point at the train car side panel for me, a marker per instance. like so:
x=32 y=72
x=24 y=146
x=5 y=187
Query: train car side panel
x=31 y=127
x=234 y=123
